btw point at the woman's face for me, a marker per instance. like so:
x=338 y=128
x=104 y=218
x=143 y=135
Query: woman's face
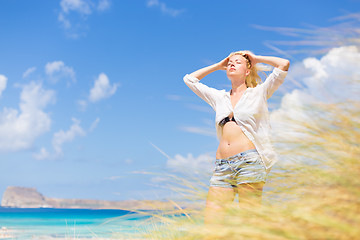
x=237 y=66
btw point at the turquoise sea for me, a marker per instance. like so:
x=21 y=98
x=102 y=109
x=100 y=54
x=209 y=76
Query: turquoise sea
x=51 y=223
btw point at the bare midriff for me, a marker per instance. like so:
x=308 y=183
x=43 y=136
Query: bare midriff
x=233 y=141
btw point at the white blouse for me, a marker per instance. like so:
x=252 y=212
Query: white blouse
x=251 y=111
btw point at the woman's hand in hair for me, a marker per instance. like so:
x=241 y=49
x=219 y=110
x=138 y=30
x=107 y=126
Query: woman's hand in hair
x=223 y=63
x=252 y=57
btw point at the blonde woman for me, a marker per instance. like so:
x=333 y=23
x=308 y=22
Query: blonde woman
x=245 y=154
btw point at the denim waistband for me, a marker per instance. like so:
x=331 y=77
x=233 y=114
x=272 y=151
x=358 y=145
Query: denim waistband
x=239 y=155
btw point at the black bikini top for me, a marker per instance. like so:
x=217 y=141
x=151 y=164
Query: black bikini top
x=225 y=120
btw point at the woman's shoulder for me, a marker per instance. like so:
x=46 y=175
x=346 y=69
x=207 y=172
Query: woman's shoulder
x=256 y=88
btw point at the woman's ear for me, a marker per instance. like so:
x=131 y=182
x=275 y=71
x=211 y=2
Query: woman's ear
x=247 y=72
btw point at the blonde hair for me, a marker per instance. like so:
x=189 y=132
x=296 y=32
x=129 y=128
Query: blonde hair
x=253 y=79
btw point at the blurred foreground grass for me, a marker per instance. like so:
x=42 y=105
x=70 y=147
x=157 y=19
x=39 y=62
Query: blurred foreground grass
x=313 y=194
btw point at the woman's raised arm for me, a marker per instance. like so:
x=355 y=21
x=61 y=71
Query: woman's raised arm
x=281 y=63
x=202 y=72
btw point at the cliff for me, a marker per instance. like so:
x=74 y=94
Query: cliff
x=22 y=197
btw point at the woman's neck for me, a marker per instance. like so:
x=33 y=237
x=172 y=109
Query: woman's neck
x=238 y=88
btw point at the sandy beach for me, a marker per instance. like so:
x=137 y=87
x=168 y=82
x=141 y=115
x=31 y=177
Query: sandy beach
x=6 y=233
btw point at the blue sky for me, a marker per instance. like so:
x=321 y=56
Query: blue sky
x=91 y=91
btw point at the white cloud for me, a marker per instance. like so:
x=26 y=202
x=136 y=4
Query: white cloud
x=333 y=78
x=28 y=72
x=189 y=164
x=81 y=6
x=201 y=164
x=57 y=70
x=103 y=5
x=65 y=22
x=151 y=3
x=59 y=138
x=94 y=124
x=163 y=8
x=52 y=67
x=73 y=14
x=336 y=76
x=102 y=88
x=19 y=128
x=3 y=82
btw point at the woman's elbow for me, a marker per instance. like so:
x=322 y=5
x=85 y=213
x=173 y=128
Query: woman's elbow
x=285 y=65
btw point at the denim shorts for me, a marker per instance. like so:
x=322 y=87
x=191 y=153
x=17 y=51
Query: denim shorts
x=244 y=167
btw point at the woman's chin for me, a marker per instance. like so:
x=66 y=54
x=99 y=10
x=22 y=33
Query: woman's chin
x=233 y=74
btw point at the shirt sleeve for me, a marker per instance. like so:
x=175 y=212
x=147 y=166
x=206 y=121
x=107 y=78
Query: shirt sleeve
x=208 y=94
x=273 y=81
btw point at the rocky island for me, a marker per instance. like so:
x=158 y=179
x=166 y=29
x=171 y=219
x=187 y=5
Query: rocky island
x=23 y=197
